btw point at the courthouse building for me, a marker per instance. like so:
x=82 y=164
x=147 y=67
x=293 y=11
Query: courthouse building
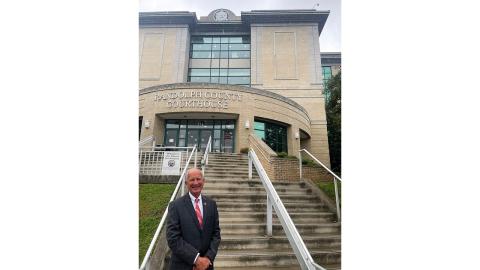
x=228 y=77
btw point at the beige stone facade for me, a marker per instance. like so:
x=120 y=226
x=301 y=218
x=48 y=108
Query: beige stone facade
x=163 y=55
x=285 y=76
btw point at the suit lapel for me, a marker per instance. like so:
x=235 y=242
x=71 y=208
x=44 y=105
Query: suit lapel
x=204 y=201
x=191 y=211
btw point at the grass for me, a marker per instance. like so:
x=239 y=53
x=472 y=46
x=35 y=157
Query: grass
x=329 y=189
x=153 y=200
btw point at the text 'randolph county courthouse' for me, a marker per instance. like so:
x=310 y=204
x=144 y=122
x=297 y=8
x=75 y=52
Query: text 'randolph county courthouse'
x=231 y=77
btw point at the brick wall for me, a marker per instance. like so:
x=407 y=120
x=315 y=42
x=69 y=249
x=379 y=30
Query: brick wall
x=288 y=170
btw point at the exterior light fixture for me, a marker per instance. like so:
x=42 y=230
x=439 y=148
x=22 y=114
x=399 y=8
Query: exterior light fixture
x=297 y=135
x=147 y=124
x=247 y=124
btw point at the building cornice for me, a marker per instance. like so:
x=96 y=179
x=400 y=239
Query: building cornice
x=247 y=18
x=167 y=17
x=287 y=16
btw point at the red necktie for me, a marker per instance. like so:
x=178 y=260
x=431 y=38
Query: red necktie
x=199 y=213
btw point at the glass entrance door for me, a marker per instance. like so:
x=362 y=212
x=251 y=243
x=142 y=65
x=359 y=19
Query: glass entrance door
x=199 y=138
x=227 y=141
x=192 y=137
x=190 y=132
x=171 y=137
x=204 y=136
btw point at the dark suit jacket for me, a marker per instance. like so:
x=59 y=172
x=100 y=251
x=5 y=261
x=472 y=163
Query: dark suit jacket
x=184 y=236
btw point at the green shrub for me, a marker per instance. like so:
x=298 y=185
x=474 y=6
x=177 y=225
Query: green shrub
x=329 y=189
x=309 y=162
x=244 y=150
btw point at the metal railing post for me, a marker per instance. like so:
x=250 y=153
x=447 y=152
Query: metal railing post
x=269 y=216
x=209 y=147
x=249 y=167
x=195 y=161
x=300 y=164
x=183 y=184
x=337 y=201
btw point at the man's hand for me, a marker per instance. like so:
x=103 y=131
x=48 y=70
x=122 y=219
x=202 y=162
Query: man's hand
x=202 y=263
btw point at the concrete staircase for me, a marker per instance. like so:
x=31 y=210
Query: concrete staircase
x=242 y=210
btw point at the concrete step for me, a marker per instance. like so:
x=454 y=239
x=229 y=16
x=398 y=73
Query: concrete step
x=259 y=229
x=272 y=257
x=255 y=178
x=254 y=190
x=227 y=154
x=218 y=158
x=227 y=164
x=228 y=206
x=260 y=198
x=217 y=163
x=234 y=162
x=228 y=171
x=226 y=160
x=323 y=217
x=230 y=156
x=224 y=168
x=263 y=219
x=228 y=174
x=213 y=154
x=277 y=242
x=254 y=183
x=290 y=267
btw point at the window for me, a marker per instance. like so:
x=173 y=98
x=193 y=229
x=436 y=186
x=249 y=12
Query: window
x=274 y=135
x=259 y=129
x=327 y=72
x=327 y=75
x=229 y=48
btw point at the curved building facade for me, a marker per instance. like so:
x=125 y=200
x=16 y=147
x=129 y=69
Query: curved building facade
x=227 y=77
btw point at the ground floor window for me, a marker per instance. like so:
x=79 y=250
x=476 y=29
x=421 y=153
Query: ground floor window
x=274 y=135
x=197 y=131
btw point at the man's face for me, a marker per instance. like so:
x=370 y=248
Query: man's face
x=195 y=182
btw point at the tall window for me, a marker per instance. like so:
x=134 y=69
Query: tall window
x=220 y=59
x=327 y=75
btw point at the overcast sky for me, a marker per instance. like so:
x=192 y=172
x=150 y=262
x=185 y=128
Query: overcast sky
x=329 y=38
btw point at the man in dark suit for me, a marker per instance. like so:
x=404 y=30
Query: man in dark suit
x=193 y=230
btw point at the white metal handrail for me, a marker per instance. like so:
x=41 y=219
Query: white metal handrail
x=208 y=149
x=146 y=259
x=159 y=148
x=335 y=177
x=273 y=200
x=147 y=142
